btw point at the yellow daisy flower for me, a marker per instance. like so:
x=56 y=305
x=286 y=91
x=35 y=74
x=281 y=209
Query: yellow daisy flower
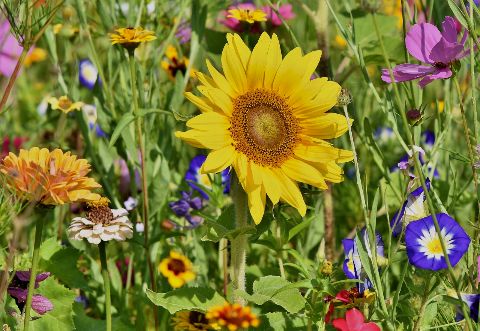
x=174 y=63
x=130 y=38
x=191 y=321
x=49 y=178
x=247 y=15
x=232 y=317
x=36 y=55
x=177 y=268
x=64 y=104
x=267 y=119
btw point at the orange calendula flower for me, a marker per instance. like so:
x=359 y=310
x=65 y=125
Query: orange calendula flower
x=64 y=104
x=247 y=15
x=232 y=317
x=177 y=268
x=130 y=38
x=49 y=178
x=173 y=63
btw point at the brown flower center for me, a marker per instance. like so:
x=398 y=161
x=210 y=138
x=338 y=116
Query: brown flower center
x=196 y=317
x=64 y=103
x=176 y=266
x=263 y=127
x=100 y=215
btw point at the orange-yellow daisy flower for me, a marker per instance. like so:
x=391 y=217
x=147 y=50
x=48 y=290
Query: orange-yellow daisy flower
x=265 y=117
x=232 y=317
x=247 y=15
x=130 y=38
x=174 y=63
x=49 y=178
x=64 y=104
x=177 y=268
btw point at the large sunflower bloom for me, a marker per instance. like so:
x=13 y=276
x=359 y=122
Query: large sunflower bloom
x=49 y=178
x=267 y=119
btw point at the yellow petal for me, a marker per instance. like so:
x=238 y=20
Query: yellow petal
x=303 y=172
x=290 y=192
x=206 y=80
x=326 y=126
x=256 y=65
x=205 y=139
x=305 y=69
x=219 y=98
x=307 y=93
x=325 y=99
x=218 y=160
x=331 y=172
x=274 y=59
x=176 y=281
x=242 y=50
x=207 y=121
x=233 y=69
x=256 y=203
x=271 y=186
x=322 y=153
x=201 y=103
x=220 y=80
x=288 y=72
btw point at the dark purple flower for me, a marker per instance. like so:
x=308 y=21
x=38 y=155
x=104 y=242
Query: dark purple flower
x=180 y=207
x=472 y=301
x=424 y=249
x=18 y=289
x=438 y=50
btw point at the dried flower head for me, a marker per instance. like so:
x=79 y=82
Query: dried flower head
x=232 y=317
x=49 y=178
x=101 y=223
x=64 y=104
x=177 y=268
x=131 y=38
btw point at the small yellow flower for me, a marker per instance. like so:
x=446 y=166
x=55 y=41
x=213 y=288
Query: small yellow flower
x=340 y=42
x=36 y=55
x=64 y=104
x=232 y=317
x=178 y=269
x=248 y=15
x=130 y=38
x=49 y=178
x=191 y=321
x=173 y=63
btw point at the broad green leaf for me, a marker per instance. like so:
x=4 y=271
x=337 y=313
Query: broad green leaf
x=282 y=321
x=83 y=322
x=186 y=298
x=121 y=125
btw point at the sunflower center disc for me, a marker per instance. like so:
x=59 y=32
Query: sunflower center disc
x=263 y=127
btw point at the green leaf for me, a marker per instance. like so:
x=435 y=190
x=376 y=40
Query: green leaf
x=277 y=290
x=121 y=125
x=224 y=227
x=83 y=322
x=186 y=298
x=299 y=227
x=60 y=318
x=281 y=321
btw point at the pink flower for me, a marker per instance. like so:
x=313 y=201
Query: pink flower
x=354 y=321
x=285 y=12
x=438 y=50
x=10 y=49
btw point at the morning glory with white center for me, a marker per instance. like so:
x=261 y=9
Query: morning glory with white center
x=199 y=181
x=412 y=209
x=87 y=74
x=423 y=244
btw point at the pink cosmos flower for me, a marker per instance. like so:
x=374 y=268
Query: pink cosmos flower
x=285 y=12
x=354 y=321
x=438 y=50
x=10 y=49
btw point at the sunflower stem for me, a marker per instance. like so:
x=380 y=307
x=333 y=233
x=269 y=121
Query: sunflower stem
x=138 y=127
x=33 y=272
x=239 y=244
x=106 y=284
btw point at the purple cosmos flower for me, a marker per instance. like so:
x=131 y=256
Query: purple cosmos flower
x=406 y=162
x=412 y=209
x=352 y=265
x=10 y=49
x=184 y=32
x=472 y=301
x=18 y=289
x=438 y=50
x=194 y=177
x=87 y=74
x=424 y=249
x=285 y=11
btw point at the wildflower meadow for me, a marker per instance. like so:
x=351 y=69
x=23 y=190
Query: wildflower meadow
x=198 y=165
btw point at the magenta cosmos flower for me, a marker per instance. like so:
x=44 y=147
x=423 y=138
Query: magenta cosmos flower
x=438 y=50
x=10 y=49
x=285 y=11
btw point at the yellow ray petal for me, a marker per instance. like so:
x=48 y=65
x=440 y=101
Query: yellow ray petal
x=303 y=172
x=331 y=172
x=220 y=80
x=325 y=99
x=205 y=139
x=321 y=153
x=219 y=98
x=326 y=126
x=201 y=103
x=290 y=192
x=274 y=59
x=206 y=80
x=271 y=184
x=307 y=93
x=305 y=69
x=288 y=72
x=256 y=64
x=218 y=160
x=242 y=50
x=208 y=120
x=256 y=203
x=233 y=69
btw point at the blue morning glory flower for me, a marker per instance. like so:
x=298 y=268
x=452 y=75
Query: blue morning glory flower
x=428 y=139
x=424 y=249
x=352 y=265
x=472 y=301
x=412 y=209
x=194 y=176
x=87 y=74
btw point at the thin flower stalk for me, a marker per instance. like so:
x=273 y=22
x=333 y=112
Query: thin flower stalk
x=418 y=170
x=106 y=284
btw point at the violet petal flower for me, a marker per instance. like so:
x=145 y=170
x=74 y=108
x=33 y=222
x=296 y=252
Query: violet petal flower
x=40 y=304
x=10 y=49
x=472 y=301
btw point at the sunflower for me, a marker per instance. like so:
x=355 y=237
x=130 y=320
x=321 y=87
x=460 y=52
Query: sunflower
x=49 y=178
x=267 y=119
x=191 y=321
x=177 y=268
x=64 y=104
x=130 y=38
x=232 y=317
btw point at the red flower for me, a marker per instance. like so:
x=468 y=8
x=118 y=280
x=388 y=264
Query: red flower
x=354 y=321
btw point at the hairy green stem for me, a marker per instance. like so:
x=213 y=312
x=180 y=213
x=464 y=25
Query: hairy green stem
x=239 y=244
x=106 y=284
x=33 y=271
